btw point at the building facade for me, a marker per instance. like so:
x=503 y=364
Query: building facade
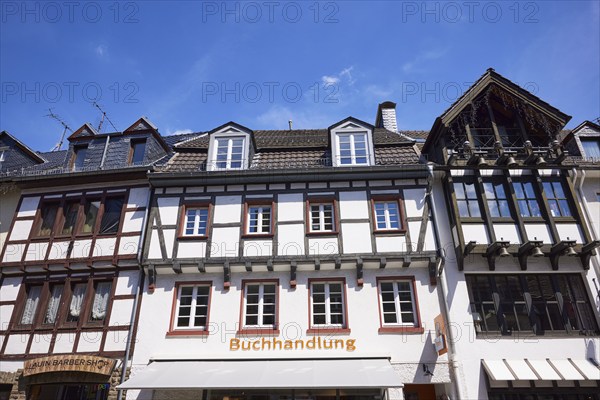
x=520 y=275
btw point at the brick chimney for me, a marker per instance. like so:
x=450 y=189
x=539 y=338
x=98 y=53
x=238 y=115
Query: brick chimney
x=386 y=116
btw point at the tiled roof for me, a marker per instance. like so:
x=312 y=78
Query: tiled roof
x=287 y=158
x=172 y=140
x=54 y=157
x=418 y=135
x=396 y=155
x=181 y=162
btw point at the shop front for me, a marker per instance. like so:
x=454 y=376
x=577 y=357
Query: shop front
x=267 y=379
x=69 y=377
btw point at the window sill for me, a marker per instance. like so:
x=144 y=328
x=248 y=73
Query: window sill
x=323 y=233
x=328 y=331
x=258 y=236
x=258 y=332
x=192 y=237
x=188 y=333
x=384 y=232
x=401 y=329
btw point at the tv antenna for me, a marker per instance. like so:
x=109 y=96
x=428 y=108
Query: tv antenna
x=104 y=116
x=66 y=127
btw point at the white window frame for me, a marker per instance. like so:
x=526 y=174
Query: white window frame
x=230 y=132
x=327 y=323
x=261 y=304
x=229 y=159
x=3 y=151
x=351 y=127
x=352 y=136
x=259 y=219
x=197 y=220
x=192 y=315
x=397 y=302
x=321 y=206
x=386 y=214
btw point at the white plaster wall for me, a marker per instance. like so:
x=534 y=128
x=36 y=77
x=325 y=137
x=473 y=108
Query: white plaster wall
x=290 y=207
x=357 y=237
x=29 y=206
x=5 y=315
x=569 y=232
x=64 y=343
x=291 y=240
x=191 y=249
x=21 y=229
x=104 y=247
x=89 y=341
x=16 y=344
x=58 y=251
x=362 y=306
x=507 y=232
x=258 y=248
x=40 y=343
x=13 y=252
x=168 y=207
x=133 y=221
x=120 y=314
x=414 y=201
x=475 y=232
x=393 y=244
x=538 y=232
x=138 y=197
x=81 y=248
x=36 y=251
x=323 y=246
x=129 y=245
x=225 y=242
x=169 y=235
x=8 y=205
x=10 y=288
x=353 y=205
x=227 y=209
x=154 y=247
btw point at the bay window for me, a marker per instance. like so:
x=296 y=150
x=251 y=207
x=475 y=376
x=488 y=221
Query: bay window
x=497 y=200
x=527 y=199
x=557 y=200
x=467 y=199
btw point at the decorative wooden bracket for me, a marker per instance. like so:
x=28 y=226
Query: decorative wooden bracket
x=359 y=272
x=317 y=264
x=226 y=275
x=564 y=247
x=270 y=265
x=338 y=263
x=293 y=268
x=529 y=248
x=588 y=251
x=201 y=267
x=177 y=268
x=496 y=249
x=406 y=260
x=151 y=278
x=432 y=271
x=248 y=265
x=382 y=262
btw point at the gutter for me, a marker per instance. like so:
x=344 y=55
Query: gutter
x=453 y=365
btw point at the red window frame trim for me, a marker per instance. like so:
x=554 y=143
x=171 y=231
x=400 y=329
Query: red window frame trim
x=258 y=331
x=182 y=218
x=258 y=202
x=173 y=331
x=401 y=213
x=324 y=330
x=399 y=329
x=322 y=200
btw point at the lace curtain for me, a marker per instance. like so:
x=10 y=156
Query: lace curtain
x=77 y=301
x=100 y=301
x=53 y=304
x=33 y=298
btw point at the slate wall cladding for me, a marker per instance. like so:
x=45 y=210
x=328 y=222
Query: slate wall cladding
x=154 y=150
x=14 y=157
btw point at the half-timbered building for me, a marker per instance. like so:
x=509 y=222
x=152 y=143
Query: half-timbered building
x=519 y=276
x=70 y=274
x=291 y=263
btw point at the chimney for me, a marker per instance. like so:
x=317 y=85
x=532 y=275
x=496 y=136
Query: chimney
x=386 y=116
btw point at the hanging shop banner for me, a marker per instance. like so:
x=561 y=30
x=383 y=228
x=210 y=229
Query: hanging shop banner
x=69 y=362
x=441 y=345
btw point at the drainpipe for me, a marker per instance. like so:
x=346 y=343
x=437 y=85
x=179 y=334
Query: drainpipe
x=136 y=300
x=587 y=213
x=444 y=290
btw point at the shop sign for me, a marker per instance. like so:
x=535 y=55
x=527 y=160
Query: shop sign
x=69 y=362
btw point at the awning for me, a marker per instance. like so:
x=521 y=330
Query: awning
x=541 y=370
x=266 y=374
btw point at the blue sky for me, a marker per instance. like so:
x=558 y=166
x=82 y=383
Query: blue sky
x=191 y=66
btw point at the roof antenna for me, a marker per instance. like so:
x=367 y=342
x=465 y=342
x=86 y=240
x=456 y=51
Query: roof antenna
x=103 y=117
x=597 y=120
x=290 y=124
x=58 y=145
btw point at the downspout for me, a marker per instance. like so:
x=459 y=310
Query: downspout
x=440 y=274
x=588 y=215
x=136 y=300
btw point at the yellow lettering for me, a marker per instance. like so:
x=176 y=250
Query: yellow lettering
x=234 y=344
x=350 y=344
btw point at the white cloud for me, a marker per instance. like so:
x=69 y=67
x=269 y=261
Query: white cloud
x=330 y=80
x=101 y=50
x=415 y=65
x=347 y=73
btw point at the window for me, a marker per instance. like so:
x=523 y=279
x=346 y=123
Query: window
x=48 y=212
x=559 y=205
x=78 y=160
x=72 y=222
x=328 y=309
x=322 y=217
x=67 y=304
x=260 y=305
x=352 y=148
x=31 y=304
x=496 y=199
x=191 y=307
x=259 y=220
x=387 y=214
x=137 y=152
x=530 y=303
x=230 y=153
x=466 y=199
x=526 y=199
x=591 y=147
x=111 y=218
x=397 y=304
x=196 y=221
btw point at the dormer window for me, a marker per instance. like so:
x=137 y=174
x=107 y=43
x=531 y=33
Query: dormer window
x=229 y=147
x=78 y=159
x=137 y=152
x=351 y=143
x=230 y=153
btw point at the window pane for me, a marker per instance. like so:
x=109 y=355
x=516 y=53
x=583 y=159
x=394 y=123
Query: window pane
x=591 y=147
x=91 y=209
x=31 y=304
x=76 y=304
x=48 y=212
x=79 y=158
x=53 y=304
x=70 y=211
x=100 y=304
x=139 y=149
x=112 y=215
